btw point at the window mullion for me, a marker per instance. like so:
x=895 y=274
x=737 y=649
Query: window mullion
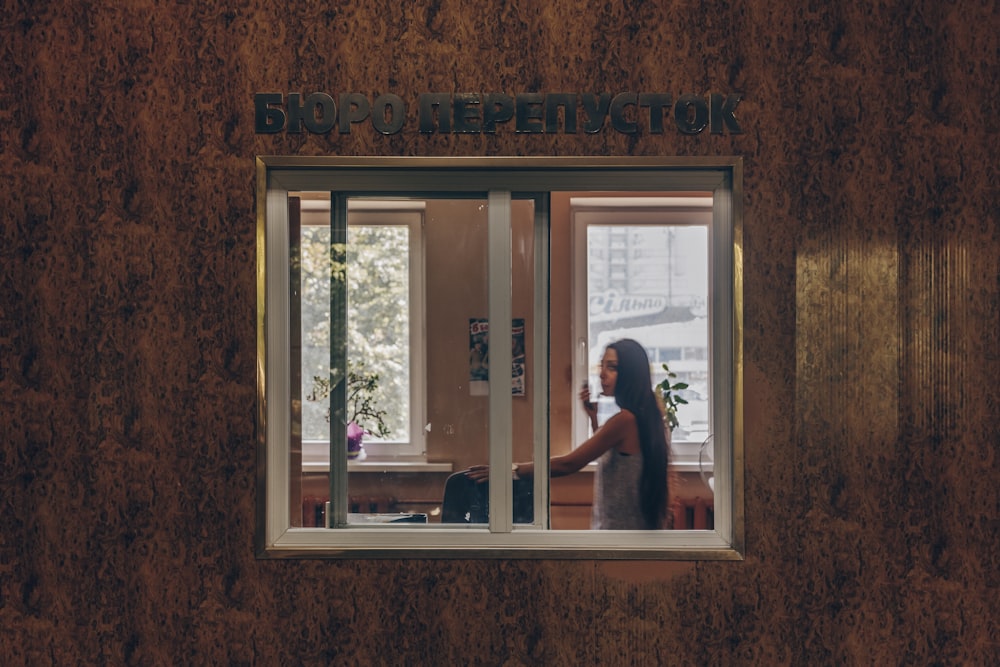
x=540 y=362
x=337 y=511
x=501 y=414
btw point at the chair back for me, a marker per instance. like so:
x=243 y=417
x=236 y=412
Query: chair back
x=467 y=501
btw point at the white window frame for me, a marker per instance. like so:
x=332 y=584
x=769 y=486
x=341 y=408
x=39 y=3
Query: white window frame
x=498 y=179
x=631 y=212
x=408 y=213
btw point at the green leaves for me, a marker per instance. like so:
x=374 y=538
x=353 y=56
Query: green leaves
x=361 y=388
x=671 y=401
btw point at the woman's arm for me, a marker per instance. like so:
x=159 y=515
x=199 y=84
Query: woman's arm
x=619 y=431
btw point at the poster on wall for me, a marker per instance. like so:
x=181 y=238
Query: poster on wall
x=517 y=357
x=479 y=357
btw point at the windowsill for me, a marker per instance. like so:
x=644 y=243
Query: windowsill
x=316 y=459
x=675 y=466
x=424 y=467
x=381 y=466
x=689 y=466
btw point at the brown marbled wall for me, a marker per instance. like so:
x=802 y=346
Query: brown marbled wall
x=127 y=372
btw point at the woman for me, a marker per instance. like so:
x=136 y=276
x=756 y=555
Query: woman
x=631 y=448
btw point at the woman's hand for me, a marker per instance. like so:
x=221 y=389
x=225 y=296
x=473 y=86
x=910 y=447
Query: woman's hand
x=589 y=406
x=478 y=473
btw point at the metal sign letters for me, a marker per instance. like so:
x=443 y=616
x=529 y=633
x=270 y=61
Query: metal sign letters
x=475 y=113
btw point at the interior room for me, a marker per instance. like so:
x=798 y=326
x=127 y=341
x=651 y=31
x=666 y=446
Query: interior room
x=453 y=292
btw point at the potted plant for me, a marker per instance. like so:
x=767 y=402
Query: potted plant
x=671 y=401
x=363 y=416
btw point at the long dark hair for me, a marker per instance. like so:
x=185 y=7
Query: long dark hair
x=634 y=392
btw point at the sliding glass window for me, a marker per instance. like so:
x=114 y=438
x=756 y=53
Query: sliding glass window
x=425 y=328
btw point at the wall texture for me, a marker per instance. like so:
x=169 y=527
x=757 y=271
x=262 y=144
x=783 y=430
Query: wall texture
x=127 y=373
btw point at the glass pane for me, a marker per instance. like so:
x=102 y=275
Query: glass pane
x=378 y=302
x=641 y=272
x=458 y=357
x=309 y=312
x=315 y=328
x=311 y=365
x=650 y=283
x=412 y=266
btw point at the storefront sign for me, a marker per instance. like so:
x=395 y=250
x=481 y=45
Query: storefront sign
x=475 y=113
x=614 y=306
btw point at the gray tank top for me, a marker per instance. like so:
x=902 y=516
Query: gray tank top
x=616 y=492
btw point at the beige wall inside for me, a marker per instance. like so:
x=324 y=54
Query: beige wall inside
x=456 y=291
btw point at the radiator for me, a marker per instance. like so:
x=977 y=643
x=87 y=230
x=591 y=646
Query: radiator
x=688 y=513
x=314 y=511
x=693 y=514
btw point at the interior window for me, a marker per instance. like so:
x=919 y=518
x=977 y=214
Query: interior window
x=418 y=323
x=642 y=271
x=385 y=300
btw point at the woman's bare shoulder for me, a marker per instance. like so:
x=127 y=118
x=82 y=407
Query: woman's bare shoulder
x=621 y=418
x=624 y=430
x=622 y=423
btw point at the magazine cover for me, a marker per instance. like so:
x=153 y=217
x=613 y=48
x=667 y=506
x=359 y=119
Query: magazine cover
x=517 y=362
x=479 y=357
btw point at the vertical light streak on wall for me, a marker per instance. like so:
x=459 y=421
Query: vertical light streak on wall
x=875 y=345
x=917 y=287
x=936 y=333
x=847 y=349
x=811 y=316
x=819 y=367
x=940 y=450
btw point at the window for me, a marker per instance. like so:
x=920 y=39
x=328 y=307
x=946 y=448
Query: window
x=384 y=332
x=433 y=265
x=653 y=288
